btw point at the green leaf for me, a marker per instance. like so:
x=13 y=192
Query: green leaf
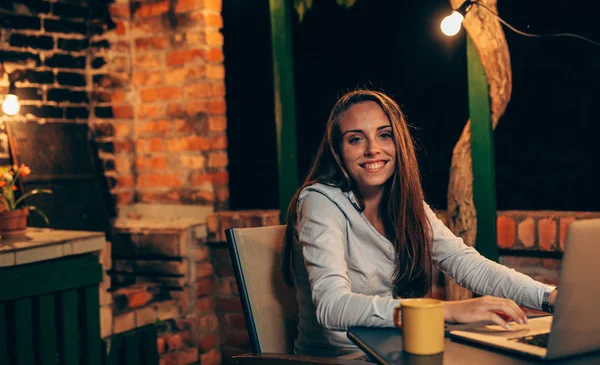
x=32 y=192
x=302 y=6
x=40 y=213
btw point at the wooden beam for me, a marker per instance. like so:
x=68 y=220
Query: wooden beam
x=285 y=114
x=482 y=152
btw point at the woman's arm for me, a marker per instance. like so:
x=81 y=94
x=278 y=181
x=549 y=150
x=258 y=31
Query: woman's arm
x=322 y=235
x=469 y=269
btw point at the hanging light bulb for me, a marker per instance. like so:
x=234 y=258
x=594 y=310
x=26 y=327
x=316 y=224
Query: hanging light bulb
x=452 y=23
x=11 y=105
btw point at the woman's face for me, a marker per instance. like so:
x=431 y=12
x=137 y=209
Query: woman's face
x=368 y=148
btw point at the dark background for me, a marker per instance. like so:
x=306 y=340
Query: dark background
x=545 y=145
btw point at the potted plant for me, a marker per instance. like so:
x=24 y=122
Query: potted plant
x=13 y=213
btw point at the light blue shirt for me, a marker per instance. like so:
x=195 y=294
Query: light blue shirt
x=343 y=271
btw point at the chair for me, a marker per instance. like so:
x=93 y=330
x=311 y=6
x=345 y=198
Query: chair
x=270 y=307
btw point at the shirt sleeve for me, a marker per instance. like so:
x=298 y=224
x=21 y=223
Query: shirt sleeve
x=322 y=236
x=469 y=269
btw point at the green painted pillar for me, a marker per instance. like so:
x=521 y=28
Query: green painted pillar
x=482 y=152
x=285 y=115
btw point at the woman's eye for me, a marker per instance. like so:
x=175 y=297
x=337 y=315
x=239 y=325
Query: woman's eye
x=354 y=140
x=385 y=135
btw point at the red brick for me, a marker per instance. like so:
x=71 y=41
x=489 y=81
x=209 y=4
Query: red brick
x=149 y=145
x=205 y=305
x=157 y=180
x=186 y=5
x=170 y=358
x=546 y=233
x=170 y=197
x=160 y=344
x=148 y=61
x=216 y=72
x=149 y=111
x=198 y=90
x=160 y=94
x=125 y=181
x=218 y=143
x=155 y=127
x=229 y=305
x=123 y=146
x=215 y=55
x=151 y=163
x=119 y=11
x=191 y=109
x=196 y=125
x=144 y=78
x=124 y=197
x=222 y=194
x=120 y=28
x=139 y=299
x=186 y=73
x=174 y=341
x=235 y=320
x=193 y=143
x=204 y=287
x=564 y=225
x=193 y=162
x=506 y=231
x=218 y=89
x=148 y=25
x=215 y=5
x=217 y=123
x=212 y=357
x=124 y=111
x=182 y=57
x=214 y=38
x=526 y=232
x=221 y=177
x=213 y=20
x=189 y=356
x=152 y=9
x=150 y=43
x=208 y=342
x=216 y=106
x=218 y=159
x=236 y=338
x=204 y=269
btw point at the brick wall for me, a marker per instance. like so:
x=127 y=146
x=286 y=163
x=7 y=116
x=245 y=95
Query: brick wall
x=163 y=273
x=147 y=76
x=158 y=106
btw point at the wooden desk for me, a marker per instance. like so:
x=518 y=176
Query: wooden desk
x=385 y=346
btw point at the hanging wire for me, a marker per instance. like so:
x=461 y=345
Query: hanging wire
x=536 y=35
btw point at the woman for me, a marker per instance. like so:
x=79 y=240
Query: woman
x=360 y=237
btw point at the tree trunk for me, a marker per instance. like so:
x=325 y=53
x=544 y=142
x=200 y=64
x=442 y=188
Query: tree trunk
x=486 y=32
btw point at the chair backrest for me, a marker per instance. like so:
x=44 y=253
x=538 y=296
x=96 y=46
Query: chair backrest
x=270 y=307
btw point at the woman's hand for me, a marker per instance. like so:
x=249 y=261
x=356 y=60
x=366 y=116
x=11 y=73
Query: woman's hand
x=493 y=309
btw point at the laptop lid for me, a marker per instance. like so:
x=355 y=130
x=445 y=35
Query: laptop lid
x=576 y=323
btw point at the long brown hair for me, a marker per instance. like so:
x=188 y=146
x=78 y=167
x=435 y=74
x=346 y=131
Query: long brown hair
x=404 y=216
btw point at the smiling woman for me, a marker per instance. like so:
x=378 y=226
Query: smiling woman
x=360 y=237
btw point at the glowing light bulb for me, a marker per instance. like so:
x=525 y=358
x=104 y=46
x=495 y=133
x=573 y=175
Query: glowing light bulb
x=451 y=24
x=11 y=105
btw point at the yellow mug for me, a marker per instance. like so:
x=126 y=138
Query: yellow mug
x=422 y=325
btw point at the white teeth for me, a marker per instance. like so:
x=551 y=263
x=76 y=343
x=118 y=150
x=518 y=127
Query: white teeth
x=374 y=165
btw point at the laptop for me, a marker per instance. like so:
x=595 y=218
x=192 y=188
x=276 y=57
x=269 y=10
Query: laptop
x=575 y=326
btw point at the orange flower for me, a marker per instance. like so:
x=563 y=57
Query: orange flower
x=25 y=170
x=2 y=183
x=14 y=188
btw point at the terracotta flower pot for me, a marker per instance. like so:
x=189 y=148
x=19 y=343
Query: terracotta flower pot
x=13 y=223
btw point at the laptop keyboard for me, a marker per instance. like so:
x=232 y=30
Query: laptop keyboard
x=540 y=340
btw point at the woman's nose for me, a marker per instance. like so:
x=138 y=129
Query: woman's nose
x=372 y=148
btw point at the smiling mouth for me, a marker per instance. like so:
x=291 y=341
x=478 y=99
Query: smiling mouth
x=373 y=166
